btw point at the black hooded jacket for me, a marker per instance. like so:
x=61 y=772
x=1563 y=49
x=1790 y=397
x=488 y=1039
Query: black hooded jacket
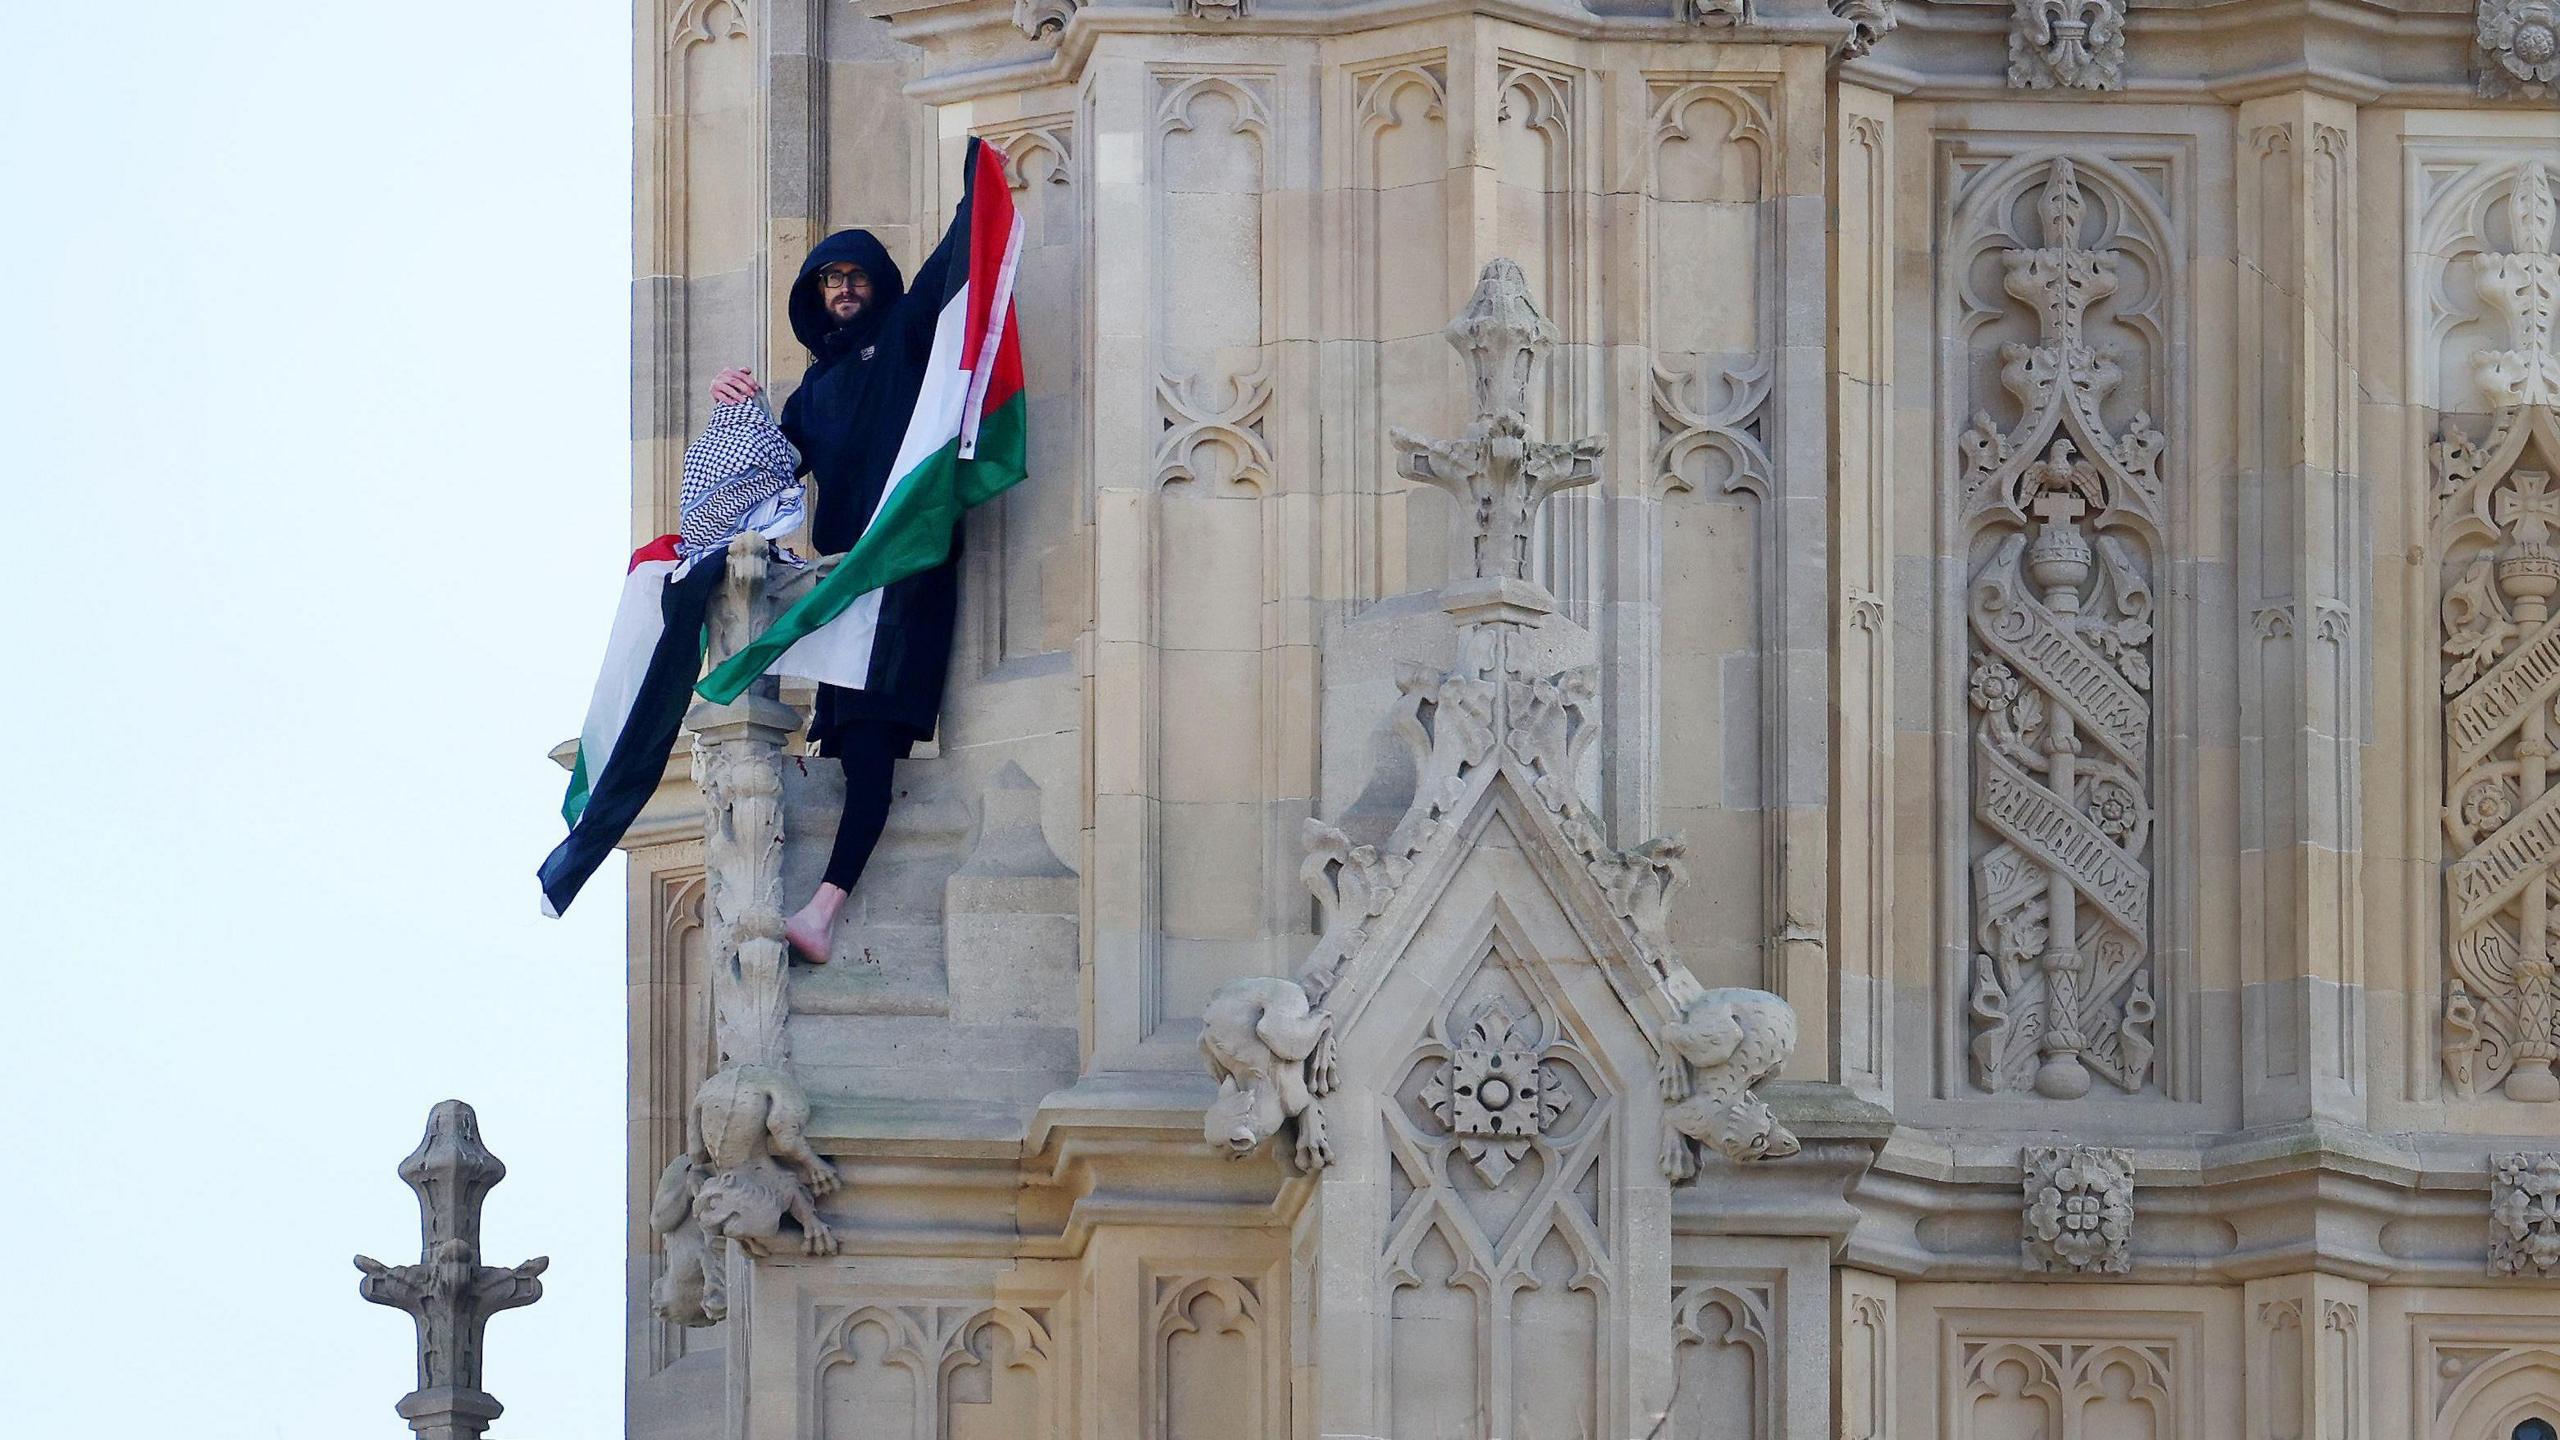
x=848 y=418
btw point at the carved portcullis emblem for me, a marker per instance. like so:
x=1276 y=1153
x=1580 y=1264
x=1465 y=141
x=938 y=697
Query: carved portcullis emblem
x=2079 y=1212
x=2524 y=1214
x=2061 y=510
x=1493 y=1094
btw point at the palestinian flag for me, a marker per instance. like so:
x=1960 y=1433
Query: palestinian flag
x=638 y=706
x=965 y=444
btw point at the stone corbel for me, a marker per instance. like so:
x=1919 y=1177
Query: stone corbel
x=1043 y=20
x=1728 y=14
x=1869 y=21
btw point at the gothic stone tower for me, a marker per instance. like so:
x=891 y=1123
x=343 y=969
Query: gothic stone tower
x=2021 y=529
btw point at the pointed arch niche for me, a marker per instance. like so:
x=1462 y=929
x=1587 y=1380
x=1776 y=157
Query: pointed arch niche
x=1495 y=1160
x=2064 y=682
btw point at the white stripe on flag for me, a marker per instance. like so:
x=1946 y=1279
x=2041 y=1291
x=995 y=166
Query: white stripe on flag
x=638 y=621
x=984 y=363
x=839 y=652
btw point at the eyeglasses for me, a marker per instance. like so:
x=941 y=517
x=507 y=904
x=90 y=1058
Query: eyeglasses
x=843 y=280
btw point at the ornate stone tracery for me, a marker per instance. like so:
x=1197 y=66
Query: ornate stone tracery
x=2061 y=509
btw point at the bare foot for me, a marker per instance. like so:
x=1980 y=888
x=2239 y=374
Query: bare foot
x=811 y=932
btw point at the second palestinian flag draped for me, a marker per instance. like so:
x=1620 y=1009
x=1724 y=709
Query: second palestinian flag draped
x=965 y=444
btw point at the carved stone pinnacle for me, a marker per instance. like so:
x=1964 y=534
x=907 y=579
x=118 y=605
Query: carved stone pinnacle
x=449 y=1292
x=1497 y=473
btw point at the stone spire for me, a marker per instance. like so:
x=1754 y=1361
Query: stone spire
x=1496 y=473
x=449 y=1292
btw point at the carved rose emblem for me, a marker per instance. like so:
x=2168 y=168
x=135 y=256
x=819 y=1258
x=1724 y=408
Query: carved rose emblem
x=2114 y=811
x=2522 y=37
x=1995 y=686
x=2487 y=805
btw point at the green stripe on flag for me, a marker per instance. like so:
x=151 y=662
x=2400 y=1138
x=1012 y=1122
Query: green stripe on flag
x=910 y=535
x=574 y=804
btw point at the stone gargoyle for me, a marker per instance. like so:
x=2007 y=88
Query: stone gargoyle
x=692 y=1290
x=1725 y=1042
x=1271 y=1052
x=749 y=1166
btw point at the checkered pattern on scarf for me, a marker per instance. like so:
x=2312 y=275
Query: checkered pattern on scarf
x=738 y=476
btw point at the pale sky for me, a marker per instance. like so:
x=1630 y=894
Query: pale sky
x=314 y=343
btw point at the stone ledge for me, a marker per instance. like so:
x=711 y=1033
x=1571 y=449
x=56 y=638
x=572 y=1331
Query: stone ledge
x=951 y=1129
x=2291 y=1198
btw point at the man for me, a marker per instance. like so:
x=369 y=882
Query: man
x=868 y=349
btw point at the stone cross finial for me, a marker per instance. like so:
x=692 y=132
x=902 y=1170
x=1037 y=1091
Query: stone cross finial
x=1497 y=473
x=449 y=1292
x=1503 y=337
x=2528 y=506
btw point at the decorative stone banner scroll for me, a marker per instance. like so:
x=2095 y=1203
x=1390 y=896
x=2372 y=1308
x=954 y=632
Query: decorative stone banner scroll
x=2062 y=514
x=2497 y=509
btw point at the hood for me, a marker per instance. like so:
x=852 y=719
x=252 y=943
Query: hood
x=809 y=318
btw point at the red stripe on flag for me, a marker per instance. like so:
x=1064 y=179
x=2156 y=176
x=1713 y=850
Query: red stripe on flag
x=990 y=228
x=662 y=548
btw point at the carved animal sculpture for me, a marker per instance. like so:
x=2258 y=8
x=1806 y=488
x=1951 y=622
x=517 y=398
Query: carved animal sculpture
x=750 y=1125
x=1271 y=1052
x=1724 y=1043
x=692 y=1291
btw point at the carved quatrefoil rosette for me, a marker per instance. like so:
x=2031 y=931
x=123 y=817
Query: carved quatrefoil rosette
x=1493 y=1093
x=2524 y=1208
x=2079 y=1212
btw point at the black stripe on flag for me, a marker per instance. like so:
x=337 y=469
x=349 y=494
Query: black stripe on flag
x=615 y=798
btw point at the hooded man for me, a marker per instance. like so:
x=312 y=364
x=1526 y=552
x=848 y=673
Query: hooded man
x=868 y=354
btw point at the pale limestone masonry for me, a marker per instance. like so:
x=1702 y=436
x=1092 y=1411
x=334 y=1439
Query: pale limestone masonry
x=2065 y=575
